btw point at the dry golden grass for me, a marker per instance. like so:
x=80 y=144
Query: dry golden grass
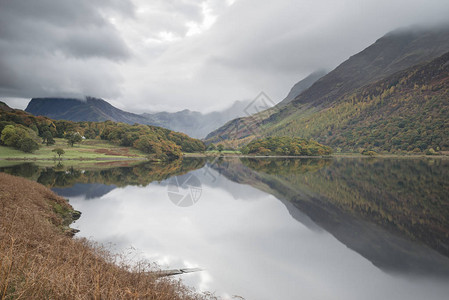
x=39 y=260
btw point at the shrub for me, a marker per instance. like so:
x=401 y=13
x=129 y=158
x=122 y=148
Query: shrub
x=28 y=145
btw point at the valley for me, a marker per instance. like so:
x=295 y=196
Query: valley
x=224 y=150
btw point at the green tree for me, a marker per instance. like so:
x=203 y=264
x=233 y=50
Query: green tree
x=369 y=153
x=73 y=138
x=211 y=147
x=244 y=150
x=90 y=133
x=9 y=136
x=59 y=152
x=47 y=138
x=28 y=145
x=19 y=137
x=220 y=147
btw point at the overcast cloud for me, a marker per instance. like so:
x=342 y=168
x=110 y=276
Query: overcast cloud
x=174 y=54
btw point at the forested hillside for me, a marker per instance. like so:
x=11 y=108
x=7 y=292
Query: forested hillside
x=408 y=111
x=390 y=97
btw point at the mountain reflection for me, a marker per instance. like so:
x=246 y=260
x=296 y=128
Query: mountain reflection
x=394 y=212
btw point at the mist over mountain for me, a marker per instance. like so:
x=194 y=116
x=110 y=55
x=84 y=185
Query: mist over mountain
x=325 y=107
x=197 y=124
x=395 y=51
x=193 y=123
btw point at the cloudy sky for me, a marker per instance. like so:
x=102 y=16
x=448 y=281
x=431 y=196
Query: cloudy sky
x=151 y=55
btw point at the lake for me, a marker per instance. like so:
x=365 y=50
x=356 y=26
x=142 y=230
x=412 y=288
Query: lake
x=338 y=228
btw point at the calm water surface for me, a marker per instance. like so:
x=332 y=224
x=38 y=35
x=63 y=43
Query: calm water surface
x=275 y=228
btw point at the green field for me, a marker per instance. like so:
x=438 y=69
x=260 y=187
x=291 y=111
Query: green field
x=86 y=150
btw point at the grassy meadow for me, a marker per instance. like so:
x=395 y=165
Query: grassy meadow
x=86 y=150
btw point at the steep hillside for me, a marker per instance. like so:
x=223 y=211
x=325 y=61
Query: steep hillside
x=396 y=51
x=327 y=112
x=407 y=111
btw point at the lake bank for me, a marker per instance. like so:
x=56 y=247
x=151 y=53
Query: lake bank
x=39 y=259
x=103 y=151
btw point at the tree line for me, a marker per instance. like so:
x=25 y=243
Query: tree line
x=25 y=132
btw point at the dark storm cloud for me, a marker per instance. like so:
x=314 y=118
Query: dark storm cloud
x=39 y=40
x=289 y=36
x=199 y=54
x=169 y=16
x=272 y=45
x=94 y=44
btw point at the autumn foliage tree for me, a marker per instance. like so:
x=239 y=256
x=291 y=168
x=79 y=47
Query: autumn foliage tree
x=19 y=137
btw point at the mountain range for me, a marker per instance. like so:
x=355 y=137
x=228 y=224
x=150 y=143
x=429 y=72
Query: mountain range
x=392 y=96
x=193 y=123
x=93 y=109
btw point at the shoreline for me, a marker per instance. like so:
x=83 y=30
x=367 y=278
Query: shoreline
x=331 y=156
x=223 y=155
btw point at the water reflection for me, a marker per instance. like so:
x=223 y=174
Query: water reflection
x=407 y=197
x=282 y=229
x=99 y=179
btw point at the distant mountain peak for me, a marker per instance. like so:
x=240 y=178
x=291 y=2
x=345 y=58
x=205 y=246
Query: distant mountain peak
x=89 y=109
